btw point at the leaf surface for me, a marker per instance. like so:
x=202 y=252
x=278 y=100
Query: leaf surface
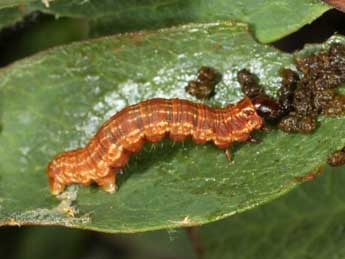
x=56 y=100
x=270 y=20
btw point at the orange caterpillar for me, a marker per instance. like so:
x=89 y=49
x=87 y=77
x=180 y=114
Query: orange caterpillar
x=125 y=132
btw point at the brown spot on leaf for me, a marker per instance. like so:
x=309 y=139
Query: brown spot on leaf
x=337 y=158
x=309 y=176
x=217 y=46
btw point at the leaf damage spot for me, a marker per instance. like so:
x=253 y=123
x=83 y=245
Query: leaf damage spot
x=337 y=158
x=65 y=213
x=310 y=176
x=66 y=205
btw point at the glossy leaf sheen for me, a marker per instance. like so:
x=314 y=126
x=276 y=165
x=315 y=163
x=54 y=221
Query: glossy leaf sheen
x=270 y=20
x=56 y=100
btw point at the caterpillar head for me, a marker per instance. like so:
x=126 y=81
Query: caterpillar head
x=248 y=114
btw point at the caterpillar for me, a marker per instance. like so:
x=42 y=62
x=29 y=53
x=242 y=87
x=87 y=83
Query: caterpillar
x=151 y=120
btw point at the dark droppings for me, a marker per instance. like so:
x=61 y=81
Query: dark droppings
x=303 y=117
x=316 y=92
x=324 y=70
x=249 y=84
x=297 y=103
x=204 y=86
x=286 y=91
x=336 y=107
x=300 y=101
x=323 y=74
x=297 y=123
x=337 y=158
x=208 y=74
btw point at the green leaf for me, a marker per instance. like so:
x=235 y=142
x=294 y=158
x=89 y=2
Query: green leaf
x=270 y=20
x=10 y=16
x=56 y=100
x=45 y=34
x=11 y=3
x=306 y=223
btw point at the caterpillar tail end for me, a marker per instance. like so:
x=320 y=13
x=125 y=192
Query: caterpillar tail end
x=55 y=187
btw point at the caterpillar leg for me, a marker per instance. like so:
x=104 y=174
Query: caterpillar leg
x=252 y=139
x=108 y=182
x=266 y=128
x=223 y=146
x=227 y=154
